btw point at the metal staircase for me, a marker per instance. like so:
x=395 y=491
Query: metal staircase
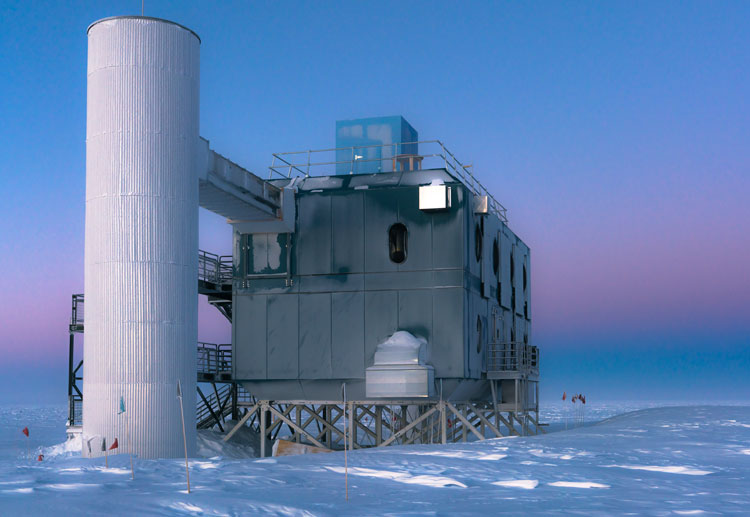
x=214 y=409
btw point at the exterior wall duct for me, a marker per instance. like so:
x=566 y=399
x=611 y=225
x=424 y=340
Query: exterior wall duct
x=142 y=139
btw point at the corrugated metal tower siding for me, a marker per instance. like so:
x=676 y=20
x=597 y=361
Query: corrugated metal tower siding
x=141 y=234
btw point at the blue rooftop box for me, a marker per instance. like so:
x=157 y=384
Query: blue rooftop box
x=376 y=144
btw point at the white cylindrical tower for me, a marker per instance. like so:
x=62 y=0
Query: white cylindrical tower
x=141 y=260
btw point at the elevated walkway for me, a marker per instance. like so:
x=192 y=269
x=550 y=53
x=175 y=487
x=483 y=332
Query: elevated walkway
x=229 y=190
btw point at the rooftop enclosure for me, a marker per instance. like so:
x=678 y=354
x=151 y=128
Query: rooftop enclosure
x=371 y=142
x=419 y=246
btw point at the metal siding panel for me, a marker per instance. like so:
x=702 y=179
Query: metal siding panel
x=283 y=336
x=518 y=278
x=331 y=283
x=448 y=278
x=381 y=320
x=520 y=329
x=447 y=344
x=419 y=227
x=380 y=214
x=527 y=263
x=348 y=335
x=314 y=236
x=508 y=325
x=488 y=277
x=315 y=336
x=478 y=309
x=142 y=143
x=492 y=237
x=448 y=235
x=474 y=220
x=348 y=236
x=505 y=252
x=415 y=312
x=249 y=343
x=400 y=280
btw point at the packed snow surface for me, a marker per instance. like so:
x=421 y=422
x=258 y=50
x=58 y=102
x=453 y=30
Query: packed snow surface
x=662 y=461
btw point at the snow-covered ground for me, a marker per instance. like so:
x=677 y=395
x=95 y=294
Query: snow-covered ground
x=660 y=461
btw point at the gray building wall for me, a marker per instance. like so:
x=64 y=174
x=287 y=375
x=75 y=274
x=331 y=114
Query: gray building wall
x=347 y=295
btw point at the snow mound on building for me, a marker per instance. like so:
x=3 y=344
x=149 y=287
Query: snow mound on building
x=402 y=348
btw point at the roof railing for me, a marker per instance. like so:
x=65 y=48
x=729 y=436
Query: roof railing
x=372 y=159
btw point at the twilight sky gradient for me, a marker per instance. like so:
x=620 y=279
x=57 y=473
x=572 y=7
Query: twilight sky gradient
x=617 y=134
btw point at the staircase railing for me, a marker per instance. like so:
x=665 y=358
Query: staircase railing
x=204 y=419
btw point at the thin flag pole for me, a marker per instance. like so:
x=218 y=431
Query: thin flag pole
x=130 y=447
x=346 y=426
x=26 y=433
x=184 y=437
x=127 y=434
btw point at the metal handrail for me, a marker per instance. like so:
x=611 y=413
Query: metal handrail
x=512 y=356
x=214 y=358
x=288 y=167
x=75 y=410
x=213 y=268
x=76 y=313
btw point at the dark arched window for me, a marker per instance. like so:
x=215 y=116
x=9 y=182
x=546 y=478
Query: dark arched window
x=397 y=243
x=524 y=277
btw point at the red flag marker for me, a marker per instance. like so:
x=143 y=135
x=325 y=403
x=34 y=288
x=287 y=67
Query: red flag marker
x=114 y=445
x=25 y=431
x=564 y=395
x=40 y=458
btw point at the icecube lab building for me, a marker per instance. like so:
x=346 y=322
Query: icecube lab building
x=376 y=282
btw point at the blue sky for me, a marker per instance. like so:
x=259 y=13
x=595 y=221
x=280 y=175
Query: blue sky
x=615 y=133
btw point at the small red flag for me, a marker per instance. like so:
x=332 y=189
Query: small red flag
x=583 y=399
x=573 y=400
x=25 y=431
x=564 y=395
x=114 y=445
x=40 y=458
